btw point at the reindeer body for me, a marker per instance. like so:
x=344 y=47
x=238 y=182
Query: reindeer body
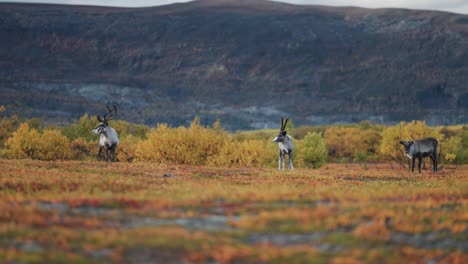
x=419 y=149
x=285 y=148
x=108 y=138
x=285 y=145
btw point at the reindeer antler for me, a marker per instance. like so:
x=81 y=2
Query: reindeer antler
x=285 y=122
x=401 y=136
x=412 y=130
x=111 y=115
x=110 y=110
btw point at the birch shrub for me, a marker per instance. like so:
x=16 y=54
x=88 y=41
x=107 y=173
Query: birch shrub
x=23 y=143
x=194 y=145
x=314 y=152
x=28 y=143
x=198 y=145
x=249 y=153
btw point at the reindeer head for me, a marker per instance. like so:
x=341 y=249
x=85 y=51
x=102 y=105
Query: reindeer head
x=102 y=127
x=282 y=133
x=407 y=145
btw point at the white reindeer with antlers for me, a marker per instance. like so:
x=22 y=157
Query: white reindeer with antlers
x=285 y=144
x=108 y=138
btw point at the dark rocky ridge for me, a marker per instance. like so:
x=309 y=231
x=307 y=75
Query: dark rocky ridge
x=246 y=62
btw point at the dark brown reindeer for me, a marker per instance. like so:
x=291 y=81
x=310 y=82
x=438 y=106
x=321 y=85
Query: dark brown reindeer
x=421 y=148
x=108 y=138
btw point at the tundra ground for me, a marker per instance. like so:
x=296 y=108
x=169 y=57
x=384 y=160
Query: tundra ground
x=94 y=212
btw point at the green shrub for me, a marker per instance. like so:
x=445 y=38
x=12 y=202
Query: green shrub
x=360 y=156
x=81 y=128
x=8 y=125
x=462 y=155
x=314 y=151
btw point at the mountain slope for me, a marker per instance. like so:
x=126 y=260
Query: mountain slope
x=246 y=62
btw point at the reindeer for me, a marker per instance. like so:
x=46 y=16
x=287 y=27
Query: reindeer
x=108 y=138
x=421 y=148
x=285 y=145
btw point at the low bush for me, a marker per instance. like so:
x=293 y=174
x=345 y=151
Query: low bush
x=239 y=154
x=53 y=146
x=23 y=143
x=126 y=151
x=28 y=143
x=212 y=146
x=82 y=149
x=194 y=145
x=314 y=151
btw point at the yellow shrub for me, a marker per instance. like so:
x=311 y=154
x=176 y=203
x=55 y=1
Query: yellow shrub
x=53 y=146
x=27 y=142
x=391 y=137
x=23 y=143
x=390 y=145
x=271 y=152
x=198 y=145
x=450 y=157
x=82 y=149
x=239 y=154
x=193 y=145
x=126 y=150
x=346 y=141
x=449 y=149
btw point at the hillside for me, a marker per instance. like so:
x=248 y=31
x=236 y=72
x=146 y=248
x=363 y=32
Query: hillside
x=246 y=62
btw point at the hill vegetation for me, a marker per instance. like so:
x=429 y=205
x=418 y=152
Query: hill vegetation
x=245 y=62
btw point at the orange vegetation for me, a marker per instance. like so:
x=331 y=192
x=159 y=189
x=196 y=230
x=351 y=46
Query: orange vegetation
x=85 y=212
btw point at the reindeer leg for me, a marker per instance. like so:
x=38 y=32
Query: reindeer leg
x=419 y=164
x=433 y=162
x=290 y=161
x=107 y=154
x=282 y=161
x=412 y=167
x=99 y=153
x=113 y=154
x=279 y=161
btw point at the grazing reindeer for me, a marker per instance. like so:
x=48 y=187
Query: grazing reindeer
x=108 y=138
x=285 y=144
x=421 y=148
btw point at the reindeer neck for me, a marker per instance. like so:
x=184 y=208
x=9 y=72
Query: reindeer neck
x=105 y=132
